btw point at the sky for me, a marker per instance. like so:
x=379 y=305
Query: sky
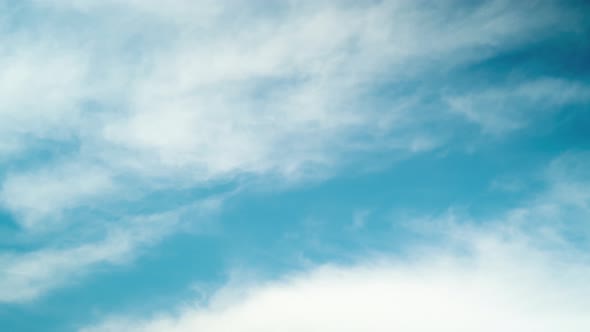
x=333 y=166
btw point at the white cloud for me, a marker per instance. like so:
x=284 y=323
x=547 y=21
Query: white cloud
x=492 y=285
x=233 y=92
x=27 y=276
x=557 y=213
x=39 y=197
x=501 y=110
x=176 y=10
x=41 y=86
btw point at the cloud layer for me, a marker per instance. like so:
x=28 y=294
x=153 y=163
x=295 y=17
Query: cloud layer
x=491 y=284
x=284 y=92
x=109 y=102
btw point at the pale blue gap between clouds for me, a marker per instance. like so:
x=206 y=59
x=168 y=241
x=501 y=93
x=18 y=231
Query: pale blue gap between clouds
x=138 y=111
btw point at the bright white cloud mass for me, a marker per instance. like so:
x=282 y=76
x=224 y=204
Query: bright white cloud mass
x=128 y=125
x=496 y=287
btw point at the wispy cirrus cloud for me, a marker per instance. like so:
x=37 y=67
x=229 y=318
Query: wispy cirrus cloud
x=501 y=110
x=27 y=276
x=38 y=198
x=281 y=91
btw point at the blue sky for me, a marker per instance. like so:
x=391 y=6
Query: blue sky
x=294 y=165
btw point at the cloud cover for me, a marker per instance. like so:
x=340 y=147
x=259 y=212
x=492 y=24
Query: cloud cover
x=143 y=98
x=285 y=92
x=492 y=284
